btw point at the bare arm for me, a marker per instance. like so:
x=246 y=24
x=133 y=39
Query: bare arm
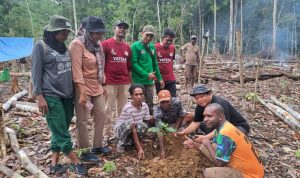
x=192 y=127
x=212 y=152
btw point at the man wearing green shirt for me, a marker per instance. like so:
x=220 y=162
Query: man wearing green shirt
x=144 y=64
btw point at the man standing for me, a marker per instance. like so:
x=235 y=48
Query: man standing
x=165 y=56
x=192 y=58
x=144 y=64
x=204 y=97
x=231 y=151
x=117 y=71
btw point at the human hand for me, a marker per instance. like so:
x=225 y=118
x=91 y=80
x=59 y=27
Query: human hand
x=199 y=138
x=82 y=98
x=152 y=76
x=181 y=133
x=189 y=143
x=206 y=141
x=141 y=154
x=42 y=104
x=162 y=84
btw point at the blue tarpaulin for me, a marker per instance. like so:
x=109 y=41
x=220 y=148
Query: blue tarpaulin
x=15 y=48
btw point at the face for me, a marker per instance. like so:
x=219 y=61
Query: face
x=147 y=38
x=97 y=36
x=120 y=31
x=138 y=95
x=203 y=99
x=167 y=41
x=165 y=105
x=211 y=118
x=62 y=35
x=193 y=40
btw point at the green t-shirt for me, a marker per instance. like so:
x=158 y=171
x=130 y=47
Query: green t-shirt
x=143 y=63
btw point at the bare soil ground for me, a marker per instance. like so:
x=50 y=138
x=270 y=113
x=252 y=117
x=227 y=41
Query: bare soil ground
x=275 y=141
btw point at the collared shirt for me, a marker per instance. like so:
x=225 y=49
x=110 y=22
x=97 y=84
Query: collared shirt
x=84 y=68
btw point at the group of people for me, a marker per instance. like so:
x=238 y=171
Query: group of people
x=94 y=76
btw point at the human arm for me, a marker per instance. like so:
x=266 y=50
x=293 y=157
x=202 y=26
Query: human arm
x=76 y=54
x=192 y=127
x=206 y=142
x=38 y=55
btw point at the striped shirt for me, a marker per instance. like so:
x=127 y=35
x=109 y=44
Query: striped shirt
x=133 y=115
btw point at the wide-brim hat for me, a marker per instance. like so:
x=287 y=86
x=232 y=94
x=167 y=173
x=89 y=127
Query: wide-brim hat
x=57 y=23
x=121 y=22
x=95 y=24
x=200 y=89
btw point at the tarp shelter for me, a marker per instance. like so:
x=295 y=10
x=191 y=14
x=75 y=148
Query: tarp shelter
x=12 y=48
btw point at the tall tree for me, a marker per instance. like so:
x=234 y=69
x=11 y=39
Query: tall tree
x=215 y=27
x=274 y=26
x=231 y=27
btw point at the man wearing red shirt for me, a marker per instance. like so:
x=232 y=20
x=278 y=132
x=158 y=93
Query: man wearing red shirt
x=165 y=56
x=117 y=71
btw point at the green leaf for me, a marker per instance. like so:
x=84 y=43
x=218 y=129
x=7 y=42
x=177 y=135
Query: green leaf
x=153 y=129
x=297 y=154
x=171 y=129
x=109 y=166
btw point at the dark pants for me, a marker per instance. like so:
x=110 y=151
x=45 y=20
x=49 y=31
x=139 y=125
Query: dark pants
x=149 y=97
x=59 y=116
x=169 y=85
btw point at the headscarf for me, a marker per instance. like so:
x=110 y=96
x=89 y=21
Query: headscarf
x=96 y=49
x=49 y=39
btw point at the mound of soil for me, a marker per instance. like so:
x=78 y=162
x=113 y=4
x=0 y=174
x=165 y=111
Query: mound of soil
x=180 y=162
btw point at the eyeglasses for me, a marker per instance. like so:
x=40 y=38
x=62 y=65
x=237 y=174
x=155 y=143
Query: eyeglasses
x=149 y=35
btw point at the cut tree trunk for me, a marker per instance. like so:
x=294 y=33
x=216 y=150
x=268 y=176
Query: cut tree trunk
x=288 y=109
x=17 y=96
x=27 y=164
x=2 y=133
x=27 y=107
x=280 y=113
x=21 y=74
x=8 y=172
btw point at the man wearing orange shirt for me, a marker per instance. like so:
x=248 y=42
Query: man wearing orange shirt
x=231 y=151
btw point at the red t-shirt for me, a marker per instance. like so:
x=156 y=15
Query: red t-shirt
x=117 y=61
x=165 y=58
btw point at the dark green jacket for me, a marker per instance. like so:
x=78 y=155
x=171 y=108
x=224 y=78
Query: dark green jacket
x=143 y=63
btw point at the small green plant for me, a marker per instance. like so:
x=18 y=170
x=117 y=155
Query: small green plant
x=109 y=167
x=298 y=154
x=81 y=151
x=162 y=128
x=250 y=96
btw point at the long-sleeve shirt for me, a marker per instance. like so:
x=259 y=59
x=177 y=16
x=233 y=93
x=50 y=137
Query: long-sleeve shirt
x=51 y=72
x=84 y=68
x=143 y=63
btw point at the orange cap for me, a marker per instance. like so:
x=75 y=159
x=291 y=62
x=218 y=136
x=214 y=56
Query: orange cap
x=164 y=95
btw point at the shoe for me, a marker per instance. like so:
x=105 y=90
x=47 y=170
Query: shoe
x=89 y=157
x=120 y=148
x=58 y=169
x=78 y=169
x=101 y=150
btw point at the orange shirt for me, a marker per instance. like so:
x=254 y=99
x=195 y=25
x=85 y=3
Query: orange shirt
x=84 y=68
x=244 y=157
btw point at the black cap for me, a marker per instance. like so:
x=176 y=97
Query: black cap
x=121 y=22
x=95 y=24
x=200 y=89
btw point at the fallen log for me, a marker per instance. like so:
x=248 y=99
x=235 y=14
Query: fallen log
x=8 y=172
x=27 y=164
x=288 y=109
x=2 y=133
x=246 y=79
x=17 y=96
x=26 y=74
x=26 y=106
x=24 y=114
x=275 y=111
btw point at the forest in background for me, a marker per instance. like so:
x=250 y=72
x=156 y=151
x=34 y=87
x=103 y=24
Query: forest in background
x=254 y=18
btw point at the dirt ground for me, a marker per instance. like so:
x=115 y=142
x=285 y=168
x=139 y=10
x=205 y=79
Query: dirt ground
x=276 y=142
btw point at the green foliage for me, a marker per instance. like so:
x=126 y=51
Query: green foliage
x=162 y=128
x=81 y=151
x=109 y=167
x=297 y=154
x=250 y=96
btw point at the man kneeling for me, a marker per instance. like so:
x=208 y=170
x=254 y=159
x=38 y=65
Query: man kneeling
x=130 y=125
x=170 y=111
x=230 y=148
